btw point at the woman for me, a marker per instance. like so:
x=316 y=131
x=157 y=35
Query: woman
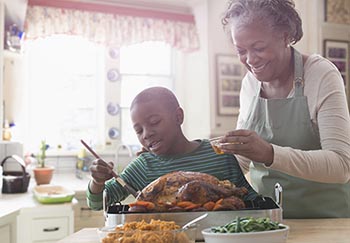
x=294 y=125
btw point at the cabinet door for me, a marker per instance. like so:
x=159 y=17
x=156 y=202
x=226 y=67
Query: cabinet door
x=5 y=233
x=84 y=217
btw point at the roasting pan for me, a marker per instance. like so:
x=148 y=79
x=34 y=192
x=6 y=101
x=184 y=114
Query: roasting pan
x=259 y=207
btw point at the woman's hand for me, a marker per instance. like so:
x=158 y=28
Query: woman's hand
x=248 y=144
x=143 y=150
x=100 y=173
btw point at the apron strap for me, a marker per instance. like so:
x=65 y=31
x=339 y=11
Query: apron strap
x=298 y=74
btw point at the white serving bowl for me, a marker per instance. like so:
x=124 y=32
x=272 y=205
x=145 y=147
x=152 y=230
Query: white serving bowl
x=271 y=236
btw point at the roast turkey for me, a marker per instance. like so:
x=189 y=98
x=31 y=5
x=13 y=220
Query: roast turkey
x=189 y=191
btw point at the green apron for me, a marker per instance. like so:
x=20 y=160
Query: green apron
x=287 y=122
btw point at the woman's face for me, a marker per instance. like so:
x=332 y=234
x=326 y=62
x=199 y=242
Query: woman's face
x=156 y=127
x=262 y=51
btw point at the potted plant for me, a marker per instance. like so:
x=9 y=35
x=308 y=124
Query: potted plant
x=42 y=173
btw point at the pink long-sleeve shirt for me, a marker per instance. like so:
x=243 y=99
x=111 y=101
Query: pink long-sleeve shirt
x=324 y=88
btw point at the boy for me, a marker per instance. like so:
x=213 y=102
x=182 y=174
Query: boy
x=157 y=119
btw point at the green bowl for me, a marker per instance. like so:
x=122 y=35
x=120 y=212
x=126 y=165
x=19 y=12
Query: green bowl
x=50 y=194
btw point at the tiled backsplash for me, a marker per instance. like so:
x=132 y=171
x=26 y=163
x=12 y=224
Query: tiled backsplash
x=67 y=164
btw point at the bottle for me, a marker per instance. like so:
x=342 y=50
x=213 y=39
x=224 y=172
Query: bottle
x=6 y=132
x=80 y=164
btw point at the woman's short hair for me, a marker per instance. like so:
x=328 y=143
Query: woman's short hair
x=281 y=15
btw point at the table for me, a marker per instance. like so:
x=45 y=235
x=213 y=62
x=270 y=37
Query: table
x=301 y=231
x=318 y=230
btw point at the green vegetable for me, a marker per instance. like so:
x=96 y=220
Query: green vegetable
x=247 y=224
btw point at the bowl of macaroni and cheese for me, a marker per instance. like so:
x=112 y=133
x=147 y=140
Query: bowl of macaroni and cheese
x=155 y=231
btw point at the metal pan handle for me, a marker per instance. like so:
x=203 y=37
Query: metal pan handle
x=105 y=204
x=278 y=194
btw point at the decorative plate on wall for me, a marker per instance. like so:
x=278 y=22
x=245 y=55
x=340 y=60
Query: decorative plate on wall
x=113 y=109
x=113 y=133
x=113 y=75
x=113 y=52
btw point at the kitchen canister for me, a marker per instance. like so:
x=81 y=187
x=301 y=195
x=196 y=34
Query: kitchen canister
x=15 y=181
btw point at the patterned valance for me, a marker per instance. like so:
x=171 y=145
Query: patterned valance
x=110 y=28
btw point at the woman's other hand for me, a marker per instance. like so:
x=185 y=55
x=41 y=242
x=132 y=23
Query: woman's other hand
x=248 y=144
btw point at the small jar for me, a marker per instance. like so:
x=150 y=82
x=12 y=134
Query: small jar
x=6 y=132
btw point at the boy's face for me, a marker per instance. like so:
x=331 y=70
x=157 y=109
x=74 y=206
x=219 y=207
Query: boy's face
x=156 y=126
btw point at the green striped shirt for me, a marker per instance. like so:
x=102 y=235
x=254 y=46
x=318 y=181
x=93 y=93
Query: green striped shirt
x=147 y=167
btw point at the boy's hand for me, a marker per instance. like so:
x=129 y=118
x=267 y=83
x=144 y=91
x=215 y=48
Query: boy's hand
x=100 y=173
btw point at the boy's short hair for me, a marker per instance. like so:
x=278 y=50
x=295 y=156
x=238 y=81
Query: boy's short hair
x=158 y=94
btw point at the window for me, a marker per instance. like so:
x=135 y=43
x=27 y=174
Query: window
x=142 y=66
x=67 y=91
x=65 y=102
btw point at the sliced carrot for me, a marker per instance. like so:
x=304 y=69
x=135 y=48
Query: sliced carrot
x=148 y=205
x=184 y=204
x=193 y=206
x=219 y=201
x=209 y=205
x=218 y=204
x=217 y=207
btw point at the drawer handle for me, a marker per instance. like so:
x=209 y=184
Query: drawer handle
x=51 y=229
x=85 y=209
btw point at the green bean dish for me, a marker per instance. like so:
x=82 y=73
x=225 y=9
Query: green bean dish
x=248 y=224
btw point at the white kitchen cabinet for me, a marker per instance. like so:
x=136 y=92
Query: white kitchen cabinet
x=5 y=233
x=2 y=34
x=15 y=95
x=8 y=228
x=84 y=217
x=14 y=14
x=47 y=223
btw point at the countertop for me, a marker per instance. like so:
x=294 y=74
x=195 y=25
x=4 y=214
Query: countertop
x=301 y=231
x=12 y=202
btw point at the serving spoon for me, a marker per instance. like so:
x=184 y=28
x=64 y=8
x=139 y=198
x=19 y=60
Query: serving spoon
x=130 y=189
x=194 y=221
